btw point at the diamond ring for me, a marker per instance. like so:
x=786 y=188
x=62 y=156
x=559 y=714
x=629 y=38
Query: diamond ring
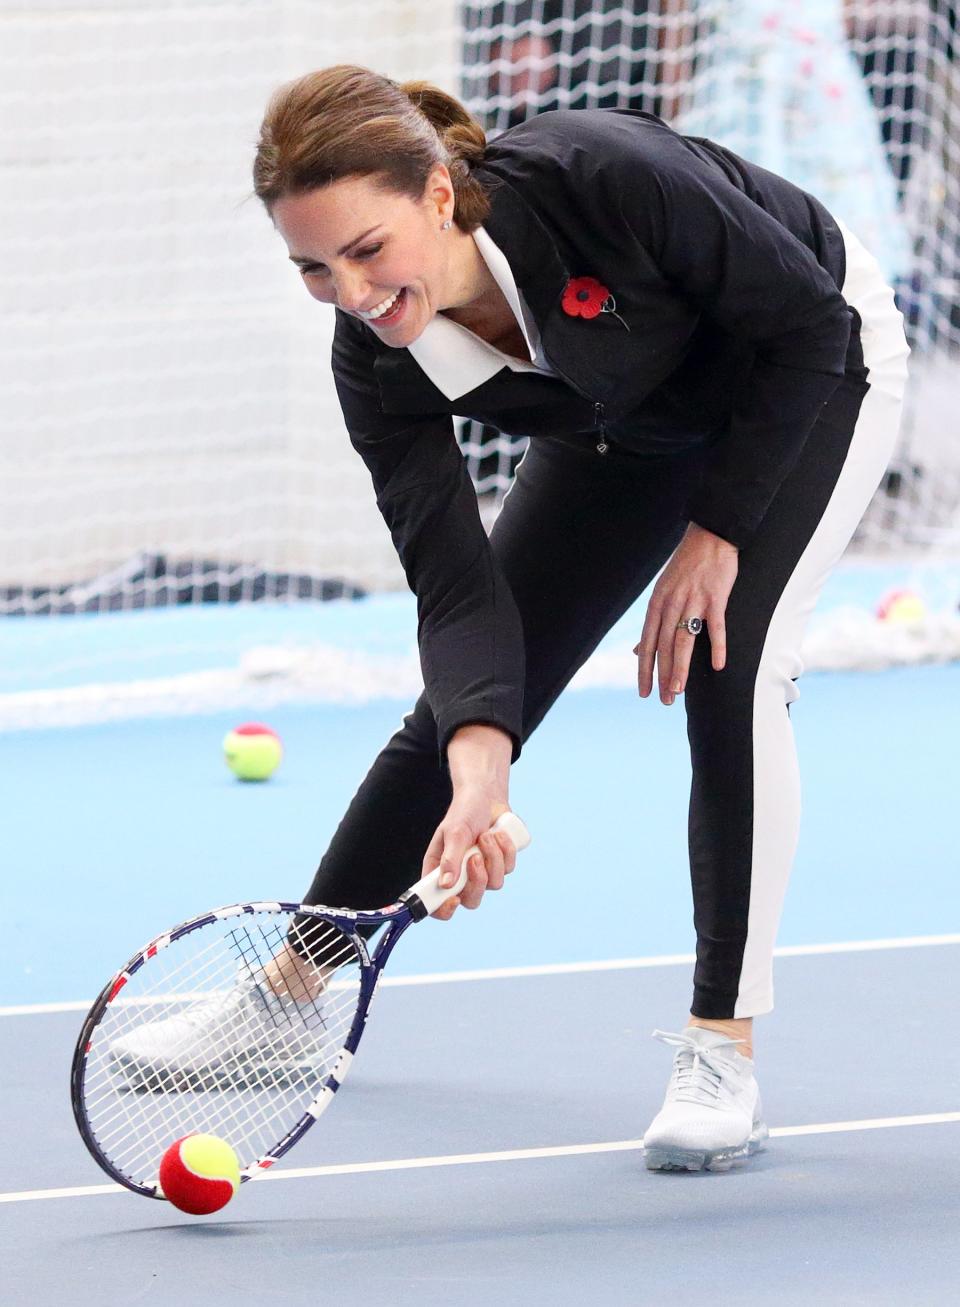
x=692 y=624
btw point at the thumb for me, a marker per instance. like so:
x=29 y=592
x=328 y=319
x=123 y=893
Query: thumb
x=450 y=865
x=455 y=847
x=431 y=859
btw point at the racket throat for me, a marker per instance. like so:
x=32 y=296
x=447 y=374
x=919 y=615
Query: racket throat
x=415 y=905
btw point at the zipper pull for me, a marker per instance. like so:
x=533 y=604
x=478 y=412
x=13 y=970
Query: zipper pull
x=602 y=445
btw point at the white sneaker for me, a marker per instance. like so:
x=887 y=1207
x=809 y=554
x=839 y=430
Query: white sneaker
x=243 y=1037
x=711 y=1116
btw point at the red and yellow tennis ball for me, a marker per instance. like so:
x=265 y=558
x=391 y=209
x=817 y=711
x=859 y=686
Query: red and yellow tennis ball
x=199 y=1174
x=902 y=607
x=252 y=751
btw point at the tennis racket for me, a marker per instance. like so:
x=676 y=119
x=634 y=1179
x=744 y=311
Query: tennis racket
x=240 y=1023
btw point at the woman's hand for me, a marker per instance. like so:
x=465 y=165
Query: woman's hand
x=479 y=760
x=468 y=821
x=695 y=583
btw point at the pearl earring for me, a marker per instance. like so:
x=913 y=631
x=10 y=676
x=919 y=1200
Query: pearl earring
x=447 y=225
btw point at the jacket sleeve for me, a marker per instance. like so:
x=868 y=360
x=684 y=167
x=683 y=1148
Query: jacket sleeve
x=469 y=631
x=747 y=272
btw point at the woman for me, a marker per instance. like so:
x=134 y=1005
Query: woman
x=666 y=322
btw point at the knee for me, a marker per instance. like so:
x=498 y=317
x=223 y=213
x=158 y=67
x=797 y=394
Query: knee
x=719 y=700
x=780 y=669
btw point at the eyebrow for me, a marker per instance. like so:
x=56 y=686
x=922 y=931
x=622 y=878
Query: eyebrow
x=298 y=258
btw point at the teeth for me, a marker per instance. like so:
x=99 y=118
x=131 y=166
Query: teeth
x=380 y=309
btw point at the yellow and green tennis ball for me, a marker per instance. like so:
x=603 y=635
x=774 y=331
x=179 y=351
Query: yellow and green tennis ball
x=252 y=751
x=902 y=608
x=199 y=1174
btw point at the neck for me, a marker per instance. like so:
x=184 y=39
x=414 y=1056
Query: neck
x=471 y=281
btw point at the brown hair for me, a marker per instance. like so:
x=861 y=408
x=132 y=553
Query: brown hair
x=347 y=121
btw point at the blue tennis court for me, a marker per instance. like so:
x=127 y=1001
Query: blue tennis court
x=488 y=1144
x=193 y=537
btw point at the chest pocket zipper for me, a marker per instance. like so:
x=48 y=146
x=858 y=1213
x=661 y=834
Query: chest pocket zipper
x=600 y=419
x=602 y=446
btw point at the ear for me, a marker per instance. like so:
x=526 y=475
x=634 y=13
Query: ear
x=438 y=194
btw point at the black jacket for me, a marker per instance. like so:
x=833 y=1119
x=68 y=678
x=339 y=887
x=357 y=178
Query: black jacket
x=728 y=279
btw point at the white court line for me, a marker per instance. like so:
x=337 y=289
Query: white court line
x=512 y=1155
x=569 y=968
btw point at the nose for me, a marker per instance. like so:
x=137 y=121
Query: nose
x=352 y=290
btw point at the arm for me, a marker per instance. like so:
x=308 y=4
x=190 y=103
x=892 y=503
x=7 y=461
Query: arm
x=470 y=636
x=756 y=280
x=740 y=267
x=479 y=759
x=676 y=216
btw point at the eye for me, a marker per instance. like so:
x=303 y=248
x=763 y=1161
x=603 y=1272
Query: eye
x=319 y=269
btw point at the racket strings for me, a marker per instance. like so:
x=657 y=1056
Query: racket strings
x=340 y=1020
x=184 y=992
x=246 y=1118
x=221 y=1024
x=200 y=1041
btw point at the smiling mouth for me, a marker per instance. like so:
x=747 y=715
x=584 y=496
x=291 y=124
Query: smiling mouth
x=388 y=310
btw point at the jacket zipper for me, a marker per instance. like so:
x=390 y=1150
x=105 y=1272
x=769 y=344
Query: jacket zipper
x=602 y=444
x=598 y=413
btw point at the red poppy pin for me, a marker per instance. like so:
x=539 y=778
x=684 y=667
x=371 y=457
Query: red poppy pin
x=585 y=297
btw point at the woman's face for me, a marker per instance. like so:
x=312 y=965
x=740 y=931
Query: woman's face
x=380 y=256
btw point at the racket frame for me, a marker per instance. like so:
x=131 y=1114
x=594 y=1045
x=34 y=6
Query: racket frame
x=396 y=917
x=416 y=903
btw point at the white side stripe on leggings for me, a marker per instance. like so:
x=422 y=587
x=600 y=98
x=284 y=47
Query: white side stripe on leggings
x=776 y=786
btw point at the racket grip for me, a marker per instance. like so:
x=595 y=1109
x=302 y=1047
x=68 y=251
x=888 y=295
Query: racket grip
x=428 y=890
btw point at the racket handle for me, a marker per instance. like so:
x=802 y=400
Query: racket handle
x=428 y=890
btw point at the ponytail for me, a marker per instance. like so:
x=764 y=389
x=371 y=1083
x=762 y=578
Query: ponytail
x=346 y=121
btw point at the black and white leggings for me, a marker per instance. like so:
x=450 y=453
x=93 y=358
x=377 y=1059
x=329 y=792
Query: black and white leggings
x=579 y=538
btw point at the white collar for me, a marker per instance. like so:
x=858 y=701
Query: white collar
x=456 y=360
x=496 y=261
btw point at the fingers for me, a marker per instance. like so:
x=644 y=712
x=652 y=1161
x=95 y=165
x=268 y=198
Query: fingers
x=696 y=582
x=715 y=630
x=454 y=842
x=477 y=882
x=485 y=870
x=441 y=852
x=509 y=850
x=499 y=855
x=659 y=646
x=667 y=647
x=666 y=655
x=446 y=910
x=717 y=627
x=682 y=654
x=646 y=650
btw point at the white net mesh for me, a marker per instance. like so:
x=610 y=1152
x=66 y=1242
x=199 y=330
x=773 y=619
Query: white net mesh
x=164 y=386
x=170 y=432
x=854 y=100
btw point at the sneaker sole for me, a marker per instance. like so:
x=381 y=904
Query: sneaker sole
x=150 y=1078
x=665 y=1157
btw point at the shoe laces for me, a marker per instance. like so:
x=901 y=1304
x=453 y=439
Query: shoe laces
x=221 y=1003
x=698 y=1072
x=252 y=1013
